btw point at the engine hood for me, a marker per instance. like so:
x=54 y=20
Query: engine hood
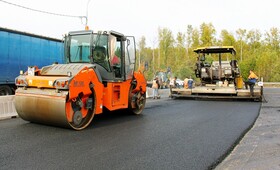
x=63 y=69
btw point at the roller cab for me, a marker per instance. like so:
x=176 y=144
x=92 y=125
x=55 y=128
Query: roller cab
x=99 y=74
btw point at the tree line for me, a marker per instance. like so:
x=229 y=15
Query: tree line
x=255 y=50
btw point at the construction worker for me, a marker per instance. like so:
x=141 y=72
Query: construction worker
x=186 y=83
x=252 y=79
x=190 y=83
x=155 y=88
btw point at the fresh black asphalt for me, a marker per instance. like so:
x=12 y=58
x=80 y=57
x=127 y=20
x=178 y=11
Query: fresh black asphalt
x=170 y=134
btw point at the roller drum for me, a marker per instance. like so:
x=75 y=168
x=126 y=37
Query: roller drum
x=41 y=108
x=46 y=106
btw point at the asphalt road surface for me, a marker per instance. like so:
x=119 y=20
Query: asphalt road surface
x=170 y=134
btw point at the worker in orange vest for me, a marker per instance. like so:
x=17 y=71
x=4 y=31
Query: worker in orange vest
x=252 y=79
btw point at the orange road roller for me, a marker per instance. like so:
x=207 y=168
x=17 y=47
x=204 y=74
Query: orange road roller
x=99 y=73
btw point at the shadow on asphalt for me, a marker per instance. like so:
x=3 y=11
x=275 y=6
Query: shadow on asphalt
x=114 y=117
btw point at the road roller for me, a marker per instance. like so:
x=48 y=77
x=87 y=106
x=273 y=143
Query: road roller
x=98 y=74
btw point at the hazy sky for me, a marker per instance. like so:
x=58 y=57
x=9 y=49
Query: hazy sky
x=139 y=17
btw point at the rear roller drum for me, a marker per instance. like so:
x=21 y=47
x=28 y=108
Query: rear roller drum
x=137 y=102
x=77 y=118
x=82 y=110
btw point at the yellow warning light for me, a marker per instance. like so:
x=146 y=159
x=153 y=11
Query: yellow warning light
x=86 y=28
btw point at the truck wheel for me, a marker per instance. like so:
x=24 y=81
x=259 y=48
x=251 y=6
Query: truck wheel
x=5 y=90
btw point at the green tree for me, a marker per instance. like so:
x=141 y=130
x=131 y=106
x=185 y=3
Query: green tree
x=195 y=38
x=180 y=47
x=227 y=39
x=241 y=37
x=254 y=37
x=166 y=44
x=183 y=64
x=189 y=39
x=141 y=51
x=207 y=32
x=257 y=51
x=272 y=39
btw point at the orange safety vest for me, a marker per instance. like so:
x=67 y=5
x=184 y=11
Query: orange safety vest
x=253 y=76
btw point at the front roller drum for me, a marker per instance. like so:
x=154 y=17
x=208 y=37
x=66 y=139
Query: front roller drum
x=53 y=110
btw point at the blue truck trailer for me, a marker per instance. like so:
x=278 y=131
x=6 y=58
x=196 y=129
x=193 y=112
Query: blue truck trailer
x=18 y=50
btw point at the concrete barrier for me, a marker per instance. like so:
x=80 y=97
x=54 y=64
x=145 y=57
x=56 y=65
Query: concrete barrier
x=271 y=84
x=162 y=92
x=7 y=108
x=149 y=92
